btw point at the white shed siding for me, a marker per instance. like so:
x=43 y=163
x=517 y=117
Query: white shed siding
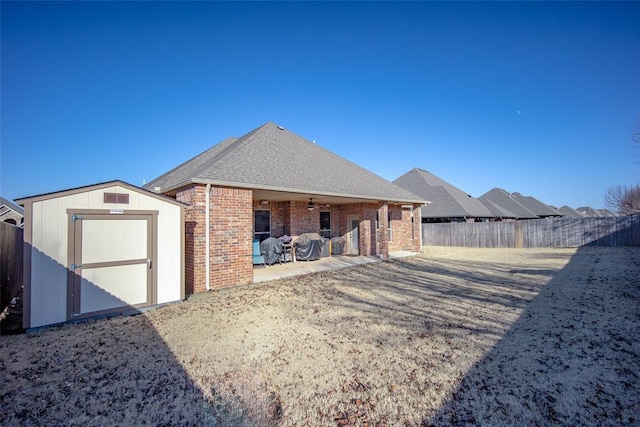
x=48 y=262
x=169 y=249
x=49 y=224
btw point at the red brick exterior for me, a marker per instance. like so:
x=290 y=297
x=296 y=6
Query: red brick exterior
x=230 y=236
x=194 y=241
x=405 y=226
x=231 y=231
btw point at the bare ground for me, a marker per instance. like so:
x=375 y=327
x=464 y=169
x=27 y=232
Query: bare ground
x=452 y=337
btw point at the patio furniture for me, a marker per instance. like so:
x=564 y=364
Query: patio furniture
x=258 y=258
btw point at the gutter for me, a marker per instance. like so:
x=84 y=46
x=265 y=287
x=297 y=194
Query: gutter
x=223 y=183
x=207 y=243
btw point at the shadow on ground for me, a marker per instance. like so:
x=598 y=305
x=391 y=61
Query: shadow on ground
x=572 y=358
x=116 y=371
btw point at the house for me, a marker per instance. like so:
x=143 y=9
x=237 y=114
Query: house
x=588 y=211
x=447 y=202
x=570 y=212
x=498 y=198
x=101 y=249
x=536 y=206
x=606 y=213
x=272 y=182
x=11 y=213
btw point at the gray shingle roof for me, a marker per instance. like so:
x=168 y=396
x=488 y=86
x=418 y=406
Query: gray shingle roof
x=11 y=205
x=570 y=212
x=496 y=210
x=534 y=205
x=273 y=158
x=500 y=197
x=447 y=201
x=595 y=213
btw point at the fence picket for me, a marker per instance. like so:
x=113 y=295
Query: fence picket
x=548 y=232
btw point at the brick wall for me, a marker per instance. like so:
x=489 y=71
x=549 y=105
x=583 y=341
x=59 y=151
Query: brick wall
x=278 y=213
x=231 y=231
x=383 y=241
x=405 y=229
x=230 y=237
x=194 y=241
x=368 y=241
x=302 y=220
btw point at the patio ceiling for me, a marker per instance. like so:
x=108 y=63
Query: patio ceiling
x=319 y=199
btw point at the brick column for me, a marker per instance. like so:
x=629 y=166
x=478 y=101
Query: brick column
x=383 y=236
x=194 y=242
x=231 y=236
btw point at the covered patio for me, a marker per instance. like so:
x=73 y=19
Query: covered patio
x=291 y=269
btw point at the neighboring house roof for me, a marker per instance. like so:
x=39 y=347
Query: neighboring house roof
x=10 y=205
x=588 y=211
x=273 y=158
x=503 y=199
x=596 y=213
x=606 y=213
x=496 y=210
x=536 y=206
x=11 y=213
x=570 y=212
x=447 y=201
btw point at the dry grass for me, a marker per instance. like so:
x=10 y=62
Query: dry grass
x=452 y=337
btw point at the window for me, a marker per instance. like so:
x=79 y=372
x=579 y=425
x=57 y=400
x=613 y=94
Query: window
x=325 y=224
x=262 y=225
x=389 y=230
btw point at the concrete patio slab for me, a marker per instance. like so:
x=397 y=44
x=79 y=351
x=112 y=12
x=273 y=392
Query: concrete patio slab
x=290 y=269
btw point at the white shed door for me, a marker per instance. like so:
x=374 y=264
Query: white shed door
x=112 y=263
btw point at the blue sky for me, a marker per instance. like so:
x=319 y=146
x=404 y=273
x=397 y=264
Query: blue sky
x=539 y=98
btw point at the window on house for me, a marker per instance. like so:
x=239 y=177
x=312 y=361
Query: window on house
x=261 y=224
x=325 y=224
x=389 y=230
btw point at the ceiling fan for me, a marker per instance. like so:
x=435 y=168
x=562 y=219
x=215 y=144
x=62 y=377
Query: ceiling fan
x=311 y=206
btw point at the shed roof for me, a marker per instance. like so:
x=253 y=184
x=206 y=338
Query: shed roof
x=503 y=199
x=447 y=200
x=273 y=158
x=45 y=196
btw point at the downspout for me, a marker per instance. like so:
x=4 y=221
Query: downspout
x=207 y=248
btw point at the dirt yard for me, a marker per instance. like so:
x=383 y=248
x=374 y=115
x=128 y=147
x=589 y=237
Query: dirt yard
x=452 y=337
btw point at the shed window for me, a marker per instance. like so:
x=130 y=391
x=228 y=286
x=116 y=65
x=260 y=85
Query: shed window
x=116 y=198
x=262 y=224
x=325 y=224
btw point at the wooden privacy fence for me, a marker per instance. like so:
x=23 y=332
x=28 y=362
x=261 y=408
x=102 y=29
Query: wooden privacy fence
x=549 y=232
x=11 y=256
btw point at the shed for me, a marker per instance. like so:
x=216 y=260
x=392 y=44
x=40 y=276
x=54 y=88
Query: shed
x=102 y=249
